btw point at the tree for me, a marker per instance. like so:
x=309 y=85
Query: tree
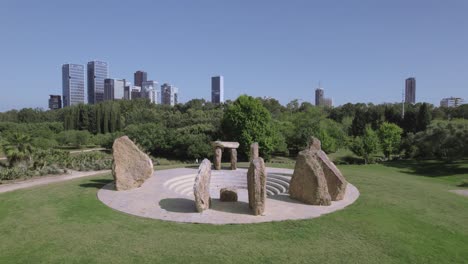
x=390 y=138
x=247 y=121
x=358 y=126
x=18 y=149
x=423 y=118
x=367 y=145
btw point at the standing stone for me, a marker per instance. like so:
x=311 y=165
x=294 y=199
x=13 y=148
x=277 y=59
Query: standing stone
x=314 y=144
x=228 y=195
x=256 y=185
x=233 y=159
x=308 y=183
x=130 y=166
x=218 y=156
x=335 y=181
x=201 y=187
x=253 y=151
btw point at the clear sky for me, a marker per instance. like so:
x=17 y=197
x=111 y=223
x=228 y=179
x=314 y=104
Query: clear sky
x=360 y=50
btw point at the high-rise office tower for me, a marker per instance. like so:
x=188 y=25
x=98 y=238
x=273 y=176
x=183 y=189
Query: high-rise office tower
x=169 y=94
x=410 y=90
x=55 y=102
x=319 y=96
x=217 y=89
x=72 y=84
x=98 y=71
x=114 y=89
x=151 y=90
x=140 y=77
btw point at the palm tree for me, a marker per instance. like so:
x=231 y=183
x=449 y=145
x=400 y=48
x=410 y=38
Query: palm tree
x=18 y=149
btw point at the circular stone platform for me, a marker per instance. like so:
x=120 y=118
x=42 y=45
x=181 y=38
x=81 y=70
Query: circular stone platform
x=168 y=195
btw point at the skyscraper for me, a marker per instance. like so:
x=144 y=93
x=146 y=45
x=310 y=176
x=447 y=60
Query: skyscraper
x=97 y=72
x=151 y=90
x=217 y=89
x=140 y=77
x=318 y=96
x=114 y=89
x=55 y=102
x=410 y=90
x=72 y=84
x=169 y=94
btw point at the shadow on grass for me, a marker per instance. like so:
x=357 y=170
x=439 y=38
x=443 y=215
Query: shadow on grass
x=430 y=168
x=98 y=183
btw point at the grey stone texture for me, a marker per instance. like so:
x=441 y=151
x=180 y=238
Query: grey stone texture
x=256 y=186
x=233 y=159
x=228 y=194
x=201 y=187
x=316 y=180
x=130 y=167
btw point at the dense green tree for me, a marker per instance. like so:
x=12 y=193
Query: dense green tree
x=366 y=145
x=423 y=118
x=390 y=138
x=18 y=149
x=247 y=121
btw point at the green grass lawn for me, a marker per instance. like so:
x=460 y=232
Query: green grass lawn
x=405 y=214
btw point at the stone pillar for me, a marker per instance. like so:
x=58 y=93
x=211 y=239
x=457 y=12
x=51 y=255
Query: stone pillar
x=201 y=187
x=233 y=159
x=218 y=156
x=253 y=151
x=256 y=186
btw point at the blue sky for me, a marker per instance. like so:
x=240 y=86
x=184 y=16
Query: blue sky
x=361 y=51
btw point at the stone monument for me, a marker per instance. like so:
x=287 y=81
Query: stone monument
x=219 y=146
x=130 y=166
x=201 y=187
x=316 y=180
x=256 y=186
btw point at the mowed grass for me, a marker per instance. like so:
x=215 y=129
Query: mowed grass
x=404 y=215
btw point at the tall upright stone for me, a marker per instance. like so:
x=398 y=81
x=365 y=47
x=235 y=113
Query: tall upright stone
x=308 y=183
x=130 y=167
x=201 y=187
x=256 y=185
x=253 y=151
x=233 y=159
x=218 y=156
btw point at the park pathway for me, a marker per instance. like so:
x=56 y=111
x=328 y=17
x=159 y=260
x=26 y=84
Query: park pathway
x=48 y=179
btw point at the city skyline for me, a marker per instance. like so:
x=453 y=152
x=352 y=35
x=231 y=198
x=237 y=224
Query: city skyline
x=355 y=48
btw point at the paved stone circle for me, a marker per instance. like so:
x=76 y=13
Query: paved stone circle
x=168 y=195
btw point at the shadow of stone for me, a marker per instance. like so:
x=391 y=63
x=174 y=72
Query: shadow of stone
x=230 y=207
x=178 y=205
x=98 y=184
x=284 y=198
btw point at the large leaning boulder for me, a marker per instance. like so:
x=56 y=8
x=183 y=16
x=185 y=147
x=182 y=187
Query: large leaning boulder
x=201 y=187
x=335 y=181
x=308 y=183
x=256 y=185
x=130 y=167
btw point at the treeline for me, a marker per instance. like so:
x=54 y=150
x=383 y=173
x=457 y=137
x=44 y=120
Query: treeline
x=186 y=130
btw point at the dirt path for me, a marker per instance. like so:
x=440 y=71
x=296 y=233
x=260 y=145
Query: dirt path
x=48 y=179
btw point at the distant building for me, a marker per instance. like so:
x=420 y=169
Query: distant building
x=451 y=102
x=410 y=90
x=72 y=84
x=127 y=90
x=55 y=102
x=140 y=77
x=135 y=92
x=217 y=89
x=319 y=96
x=151 y=90
x=169 y=94
x=114 y=89
x=98 y=71
x=320 y=99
